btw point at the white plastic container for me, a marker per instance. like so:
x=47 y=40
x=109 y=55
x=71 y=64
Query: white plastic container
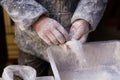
x=102 y=62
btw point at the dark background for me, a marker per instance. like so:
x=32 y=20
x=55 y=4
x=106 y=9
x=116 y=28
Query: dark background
x=3 y=49
x=109 y=26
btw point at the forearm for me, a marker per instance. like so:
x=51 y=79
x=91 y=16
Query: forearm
x=91 y=11
x=29 y=42
x=24 y=13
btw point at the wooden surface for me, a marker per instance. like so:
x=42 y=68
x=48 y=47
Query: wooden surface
x=9 y=30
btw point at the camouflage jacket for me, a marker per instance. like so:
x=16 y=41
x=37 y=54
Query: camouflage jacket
x=25 y=12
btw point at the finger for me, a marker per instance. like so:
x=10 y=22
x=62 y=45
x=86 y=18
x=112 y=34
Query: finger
x=58 y=35
x=46 y=39
x=78 y=34
x=83 y=38
x=72 y=31
x=63 y=31
x=53 y=38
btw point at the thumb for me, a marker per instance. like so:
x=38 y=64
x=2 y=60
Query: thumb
x=83 y=39
x=73 y=31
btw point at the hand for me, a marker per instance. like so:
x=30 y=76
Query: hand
x=50 y=31
x=79 y=30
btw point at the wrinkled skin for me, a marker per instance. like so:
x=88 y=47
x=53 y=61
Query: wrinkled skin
x=79 y=30
x=51 y=31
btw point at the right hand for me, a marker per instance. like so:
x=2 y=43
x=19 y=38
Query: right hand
x=50 y=31
x=79 y=30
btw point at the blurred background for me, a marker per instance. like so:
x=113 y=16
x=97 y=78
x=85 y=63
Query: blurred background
x=108 y=29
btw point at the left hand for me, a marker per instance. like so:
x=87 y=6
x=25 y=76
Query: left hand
x=79 y=30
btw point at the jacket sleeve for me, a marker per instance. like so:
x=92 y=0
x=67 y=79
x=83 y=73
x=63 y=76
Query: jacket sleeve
x=91 y=11
x=23 y=12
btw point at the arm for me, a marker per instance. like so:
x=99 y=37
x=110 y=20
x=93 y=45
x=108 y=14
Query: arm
x=26 y=12
x=23 y=12
x=91 y=11
x=86 y=17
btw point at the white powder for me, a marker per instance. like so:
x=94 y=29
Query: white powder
x=75 y=49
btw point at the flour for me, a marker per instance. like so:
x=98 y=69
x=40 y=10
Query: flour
x=74 y=50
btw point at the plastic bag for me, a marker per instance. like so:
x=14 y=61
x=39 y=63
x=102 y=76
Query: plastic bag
x=24 y=72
